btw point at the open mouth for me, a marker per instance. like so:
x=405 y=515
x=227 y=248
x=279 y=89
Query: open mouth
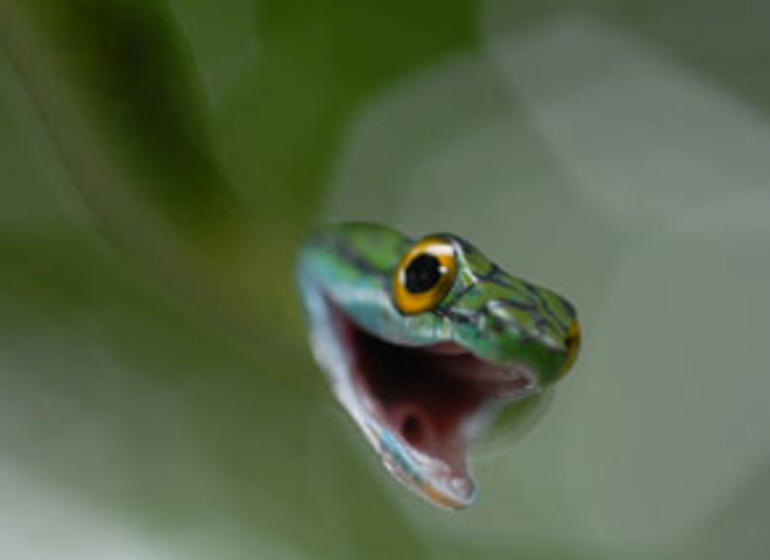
x=435 y=400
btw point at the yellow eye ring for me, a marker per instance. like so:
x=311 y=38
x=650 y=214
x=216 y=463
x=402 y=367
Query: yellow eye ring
x=424 y=275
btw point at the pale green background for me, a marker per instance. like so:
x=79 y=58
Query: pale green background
x=160 y=161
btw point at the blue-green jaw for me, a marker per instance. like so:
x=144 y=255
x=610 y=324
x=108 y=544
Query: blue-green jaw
x=422 y=374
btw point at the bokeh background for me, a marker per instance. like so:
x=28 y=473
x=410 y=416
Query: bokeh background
x=161 y=160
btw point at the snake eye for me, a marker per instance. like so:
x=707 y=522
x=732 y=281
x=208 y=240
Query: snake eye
x=424 y=275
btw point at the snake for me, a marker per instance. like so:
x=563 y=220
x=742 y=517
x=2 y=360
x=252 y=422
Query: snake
x=424 y=341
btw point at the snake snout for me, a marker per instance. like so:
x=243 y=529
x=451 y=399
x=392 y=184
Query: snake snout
x=572 y=346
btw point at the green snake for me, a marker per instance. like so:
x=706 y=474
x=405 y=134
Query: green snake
x=424 y=341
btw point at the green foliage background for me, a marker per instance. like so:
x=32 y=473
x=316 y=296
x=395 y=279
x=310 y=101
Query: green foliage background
x=160 y=162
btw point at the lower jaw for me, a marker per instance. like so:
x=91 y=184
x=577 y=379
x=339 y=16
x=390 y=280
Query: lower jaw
x=427 y=476
x=422 y=407
x=422 y=419
x=430 y=476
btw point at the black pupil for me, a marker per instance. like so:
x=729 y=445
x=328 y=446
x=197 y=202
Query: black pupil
x=422 y=273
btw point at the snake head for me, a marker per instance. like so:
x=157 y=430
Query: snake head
x=424 y=342
x=506 y=320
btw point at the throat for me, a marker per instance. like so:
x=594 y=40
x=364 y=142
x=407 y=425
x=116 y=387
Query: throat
x=433 y=397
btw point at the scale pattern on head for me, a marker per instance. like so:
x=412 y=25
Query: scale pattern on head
x=498 y=317
x=506 y=319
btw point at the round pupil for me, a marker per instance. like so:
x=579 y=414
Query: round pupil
x=422 y=273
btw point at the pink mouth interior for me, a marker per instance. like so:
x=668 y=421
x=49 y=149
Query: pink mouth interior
x=427 y=395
